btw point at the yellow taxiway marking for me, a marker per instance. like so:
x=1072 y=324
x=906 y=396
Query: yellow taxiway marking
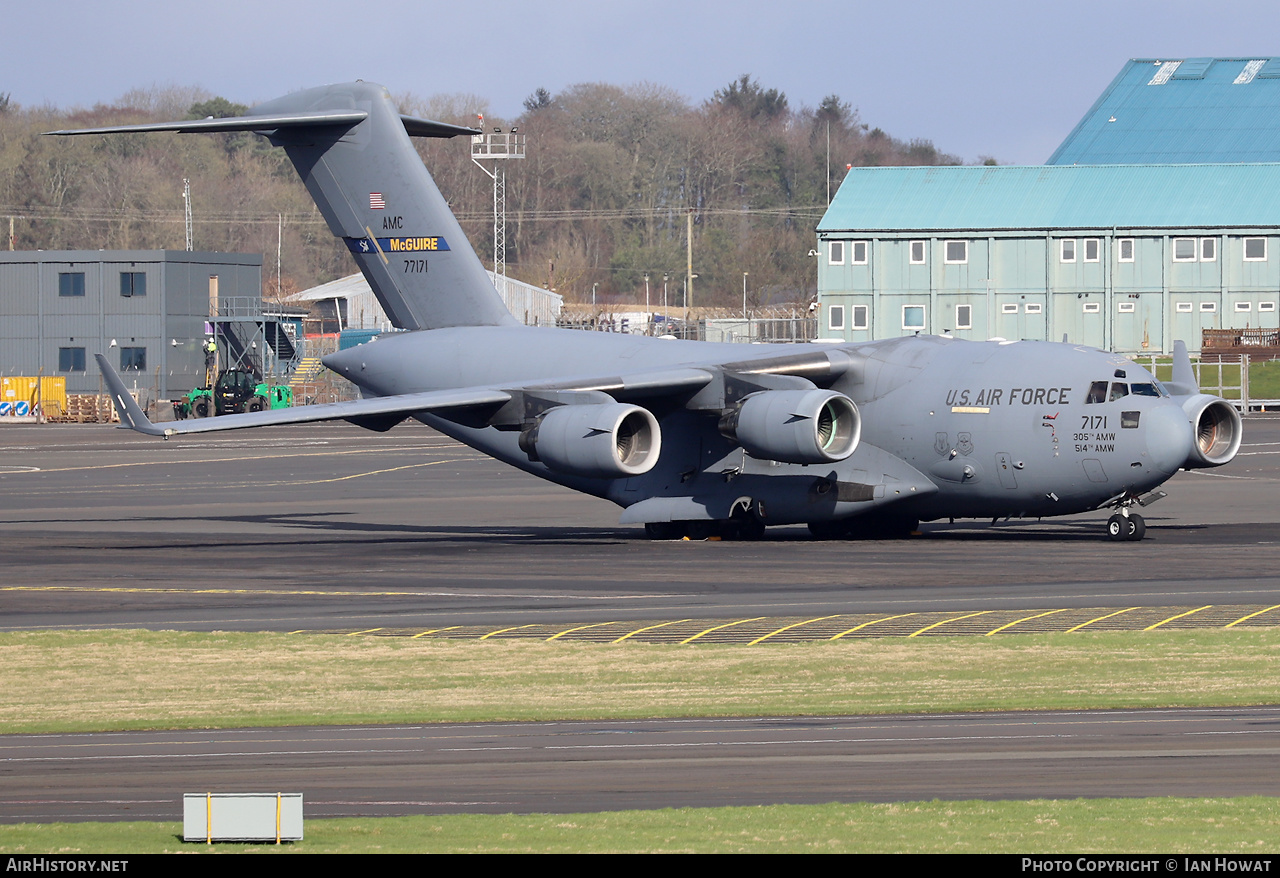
x=505 y=630
x=365 y=631
x=872 y=622
x=434 y=631
x=1019 y=621
x=1179 y=616
x=579 y=628
x=788 y=628
x=1099 y=619
x=718 y=627
x=1251 y=615
x=945 y=621
x=649 y=628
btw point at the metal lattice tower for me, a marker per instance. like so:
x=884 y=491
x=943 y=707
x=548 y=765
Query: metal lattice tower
x=497 y=146
x=186 y=202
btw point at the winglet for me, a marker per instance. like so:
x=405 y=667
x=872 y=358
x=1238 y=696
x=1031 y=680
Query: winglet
x=1184 y=378
x=131 y=414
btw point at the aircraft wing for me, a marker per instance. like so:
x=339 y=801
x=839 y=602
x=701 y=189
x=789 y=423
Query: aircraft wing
x=375 y=409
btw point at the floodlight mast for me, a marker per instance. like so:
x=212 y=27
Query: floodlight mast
x=498 y=146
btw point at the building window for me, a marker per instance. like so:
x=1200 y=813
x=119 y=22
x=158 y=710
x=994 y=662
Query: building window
x=133 y=283
x=133 y=359
x=1092 y=249
x=1126 y=307
x=1068 y=250
x=837 y=253
x=835 y=317
x=860 y=315
x=71 y=283
x=913 y=317
x=1244 y=306
x=1009 y=308
x=1126 y=249
x=1093 y=307
x=1208 y=249
x=917 y=252
x=964 y=317
x=70 y=359
x=1266 y=306
x=1209 y=307
x=957 y=252
x=858 y=253
x=1184 y=249
x=1034 y=308
x=1255 y=249
x=1184 y=307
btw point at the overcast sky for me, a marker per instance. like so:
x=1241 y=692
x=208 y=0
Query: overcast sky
x=980 y=78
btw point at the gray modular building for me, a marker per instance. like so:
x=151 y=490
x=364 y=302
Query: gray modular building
x=147 y=310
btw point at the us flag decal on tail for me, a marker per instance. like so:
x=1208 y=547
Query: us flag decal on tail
x=376 y=201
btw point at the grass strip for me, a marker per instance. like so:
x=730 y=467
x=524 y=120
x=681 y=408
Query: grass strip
x=107 y=680
x=1077 y=826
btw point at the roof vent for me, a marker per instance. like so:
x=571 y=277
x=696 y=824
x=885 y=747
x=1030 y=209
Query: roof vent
x=1166 y=70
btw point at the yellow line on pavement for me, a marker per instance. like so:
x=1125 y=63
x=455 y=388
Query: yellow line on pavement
x=945 y=621
x=788 y=628
x=1179 y=616
x=505 y=630
x=872 y=622
x=650 y=628
x=718 y=627
x=1099 y=619
x=1251 y=615
x=579 y=628
x=1018 y=621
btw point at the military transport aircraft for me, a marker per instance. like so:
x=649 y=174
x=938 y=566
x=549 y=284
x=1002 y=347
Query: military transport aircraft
x=695 y=438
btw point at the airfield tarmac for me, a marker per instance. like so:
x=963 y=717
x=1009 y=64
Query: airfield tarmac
x=332 y=528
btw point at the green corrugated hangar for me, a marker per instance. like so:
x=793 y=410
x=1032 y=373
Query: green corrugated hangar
x=1129 y=255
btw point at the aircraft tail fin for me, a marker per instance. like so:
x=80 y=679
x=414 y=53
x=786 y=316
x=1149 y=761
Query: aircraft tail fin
x=351 y=147
x=1184 y=381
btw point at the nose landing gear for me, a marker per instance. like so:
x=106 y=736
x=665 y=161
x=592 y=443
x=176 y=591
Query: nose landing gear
x=1126 y=526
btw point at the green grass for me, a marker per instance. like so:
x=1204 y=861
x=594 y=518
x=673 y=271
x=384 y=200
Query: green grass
x=1201 y=826
x=103 y=680
x=1264 y=377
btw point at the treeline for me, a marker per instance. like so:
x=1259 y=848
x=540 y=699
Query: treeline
x=601 y=199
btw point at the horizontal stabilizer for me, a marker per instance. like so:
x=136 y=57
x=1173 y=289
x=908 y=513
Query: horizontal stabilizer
x=274 y=122
x=407 y=404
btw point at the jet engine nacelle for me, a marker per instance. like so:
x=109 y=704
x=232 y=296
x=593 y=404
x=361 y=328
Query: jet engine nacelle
x=605 y=441
x=795 y=426
x=1217 y=430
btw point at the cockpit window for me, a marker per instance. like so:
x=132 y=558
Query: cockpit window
x=1097 y=393
x=1143 y=390
x=1118 y=390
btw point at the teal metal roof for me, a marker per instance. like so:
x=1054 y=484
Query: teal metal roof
x=1062 y=197
x=1181 y=111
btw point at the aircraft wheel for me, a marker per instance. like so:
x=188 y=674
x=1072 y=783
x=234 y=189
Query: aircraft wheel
x=1118 y=528
x=828 y=530
x=747 y=528
x=201 y=408
x=1137 y=528
x=663 y=530
x=701 y=530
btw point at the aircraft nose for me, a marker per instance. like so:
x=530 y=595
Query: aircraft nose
x=1169 y=437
